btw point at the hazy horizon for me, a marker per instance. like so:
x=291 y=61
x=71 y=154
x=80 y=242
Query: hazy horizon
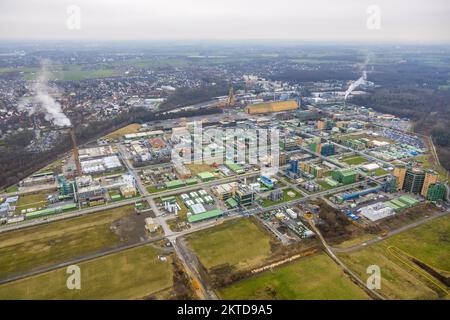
x=416 y=21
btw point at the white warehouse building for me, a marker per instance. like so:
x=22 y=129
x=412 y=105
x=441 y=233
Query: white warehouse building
x=99 y=165
x=376 y=211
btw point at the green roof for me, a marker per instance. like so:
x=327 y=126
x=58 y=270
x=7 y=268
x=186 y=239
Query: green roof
x=205 y=175
x=175 y=184
x=205 y=215
x=230 y=202
x=331 y=182
x=235 y=167
x=69 y=206
x=191 y=181
x=392 y=205
x=348 y=173
x=408 y=200
x=40 y=213
x=399 y=203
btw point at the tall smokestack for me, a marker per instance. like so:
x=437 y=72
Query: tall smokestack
x=76 y=156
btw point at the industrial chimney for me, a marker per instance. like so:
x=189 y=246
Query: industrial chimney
x=76 y=157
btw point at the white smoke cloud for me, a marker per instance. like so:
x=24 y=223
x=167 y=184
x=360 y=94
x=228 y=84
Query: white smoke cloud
x=360 y=81
x=356 y=84
x=43 y=102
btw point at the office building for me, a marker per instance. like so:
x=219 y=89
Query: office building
x=294 y=166
x=414 y=179
x=431 y=177
x=328 y=149
x=245 y=196
x=399 y=173
x=436 y=192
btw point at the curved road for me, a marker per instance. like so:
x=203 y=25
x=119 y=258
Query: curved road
x=389 y=234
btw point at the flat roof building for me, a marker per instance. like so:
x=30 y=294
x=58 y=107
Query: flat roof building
x=205 y=215
x=271 y=107
x=206 y=176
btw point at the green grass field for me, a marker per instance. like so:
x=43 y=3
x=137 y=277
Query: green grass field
x=429 y=243
x=428 y=164
x=153 y=189
x=155 y=62
x=67 y=73
x=380 y=172
x=354 y=160
x=33 y=200
x=131 y=274
x=183 y=209
x=13 y=188
x=314 y=277
x=286 y=197
x=56 y=242
x=76 y=73
x=240 y=243
x=131 y=128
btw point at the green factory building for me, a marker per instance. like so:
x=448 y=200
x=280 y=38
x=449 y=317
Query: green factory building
x=191 y=181
x=345 y=176
x=206 y=176
x=205 y=215
x=65 y=187
x=175 y=184
x=410 y=202
x=236 y=168
x=436 y=192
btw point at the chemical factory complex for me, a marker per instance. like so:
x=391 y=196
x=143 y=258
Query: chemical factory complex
x=339 y=152
x=278 y=163
x=224 y=158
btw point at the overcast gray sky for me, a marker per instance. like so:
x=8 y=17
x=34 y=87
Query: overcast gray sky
x=316 y=20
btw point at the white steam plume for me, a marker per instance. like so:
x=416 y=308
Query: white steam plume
x=361 y=79
x=356 y=84
x=43 y=102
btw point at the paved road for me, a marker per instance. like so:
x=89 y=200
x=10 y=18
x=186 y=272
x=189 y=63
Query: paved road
x=28 y=190
x=291 y=185
x=148 y=197
x=361 y=153
x=389 y=234
x=190 y=263
x=144 y=196
x=143 y=191
x=191 y=266
x=63 y=216
x=374 y=294
x=87 y=257
x=108 y=251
